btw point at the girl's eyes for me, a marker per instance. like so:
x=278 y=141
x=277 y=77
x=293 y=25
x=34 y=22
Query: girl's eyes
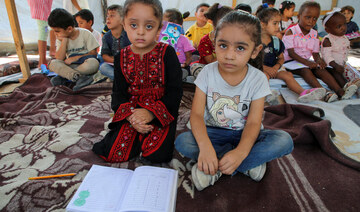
x=240 y=48
x=149 y=26
x=133 y=26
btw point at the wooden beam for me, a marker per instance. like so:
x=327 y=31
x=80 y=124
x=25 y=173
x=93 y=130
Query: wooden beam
x=19 y=43
x=334 y=3
x=234 y=4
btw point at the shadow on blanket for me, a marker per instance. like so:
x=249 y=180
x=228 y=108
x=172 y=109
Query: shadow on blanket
x=50 y=130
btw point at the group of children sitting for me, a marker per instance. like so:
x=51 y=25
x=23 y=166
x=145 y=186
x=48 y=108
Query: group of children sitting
x=296 y=45
x=227 y=134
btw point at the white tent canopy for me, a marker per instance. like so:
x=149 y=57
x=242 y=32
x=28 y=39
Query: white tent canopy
x=29 y=27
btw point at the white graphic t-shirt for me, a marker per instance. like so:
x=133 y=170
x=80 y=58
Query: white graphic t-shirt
x=83 y=44
x=228 y=106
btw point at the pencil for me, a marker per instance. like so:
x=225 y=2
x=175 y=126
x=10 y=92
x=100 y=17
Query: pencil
x=51 y=176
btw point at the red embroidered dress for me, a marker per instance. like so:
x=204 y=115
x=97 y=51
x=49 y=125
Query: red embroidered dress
x=154 y=83
x=205 y=48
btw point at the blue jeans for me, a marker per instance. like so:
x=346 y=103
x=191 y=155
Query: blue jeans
x=107 y=70
x=269 y=145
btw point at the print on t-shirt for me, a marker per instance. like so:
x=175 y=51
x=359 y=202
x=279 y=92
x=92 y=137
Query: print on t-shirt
x=228 y=111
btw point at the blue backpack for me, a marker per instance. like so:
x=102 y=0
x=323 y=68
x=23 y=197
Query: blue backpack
x=276 y=42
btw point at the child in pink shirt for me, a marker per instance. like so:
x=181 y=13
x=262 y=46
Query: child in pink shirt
x=335 y=47
x=172 y=35
x=301 y=42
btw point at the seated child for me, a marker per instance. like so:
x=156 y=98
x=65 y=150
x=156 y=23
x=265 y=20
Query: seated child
x=301 y=42
x=274 y=57
x=227 y=136
x=76 y=51
x=113 y=41
x=335 y=47
x=147 y=91
x=201 y=27
x=172 y=35
x=206 y=46
x=85 y=20
x=286 y=9
x=352 y=31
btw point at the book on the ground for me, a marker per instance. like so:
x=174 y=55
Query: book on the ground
x=350 y=72
x=147 y=188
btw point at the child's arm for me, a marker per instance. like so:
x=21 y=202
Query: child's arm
x=326 y=53
x=76 y=4
x=287 y=39
x=232 y=159
x=76 y=58
x=188 y=56
x=318 y=60
x=207 y=160
x=108 y=58
x=60 y=54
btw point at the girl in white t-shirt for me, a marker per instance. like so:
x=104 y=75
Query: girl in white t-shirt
x=226 y=116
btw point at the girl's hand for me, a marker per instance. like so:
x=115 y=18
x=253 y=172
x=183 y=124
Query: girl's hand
x=270 y=71
x=143 y=128
x=312 y=64
x=140 y=116
x=207 y=160
x=230 y=162
x=321 y=63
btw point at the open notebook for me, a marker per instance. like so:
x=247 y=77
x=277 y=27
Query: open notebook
x=110 y=189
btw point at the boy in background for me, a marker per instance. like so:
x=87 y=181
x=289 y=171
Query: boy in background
x=352 y=31
x=201 y=27
x=75 y=51
x=85 y=20
x=113 y=41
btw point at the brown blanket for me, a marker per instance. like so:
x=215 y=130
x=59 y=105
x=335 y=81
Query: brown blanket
x=50 y=130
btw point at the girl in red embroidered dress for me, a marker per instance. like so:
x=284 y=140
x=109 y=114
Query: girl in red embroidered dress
x=146 y=93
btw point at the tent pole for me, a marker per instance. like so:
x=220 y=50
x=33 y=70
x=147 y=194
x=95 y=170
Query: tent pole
x=18 y=40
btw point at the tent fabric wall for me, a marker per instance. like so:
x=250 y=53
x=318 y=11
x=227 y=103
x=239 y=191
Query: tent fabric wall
x=29 y=26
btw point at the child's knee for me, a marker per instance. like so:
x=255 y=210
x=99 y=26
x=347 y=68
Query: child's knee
x=284 y=142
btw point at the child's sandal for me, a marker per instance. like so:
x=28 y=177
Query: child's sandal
x=350 y=89
x=312 y=95
x=330 y=97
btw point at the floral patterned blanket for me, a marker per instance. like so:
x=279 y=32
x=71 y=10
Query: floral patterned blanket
x=47 y=130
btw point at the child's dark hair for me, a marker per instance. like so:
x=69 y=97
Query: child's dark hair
x=272 y=2
x=251 y=25
x=308 y=4
x=265 y=14
x=86 y=15
x=175 y=16
x=202 y=5
x=155 y=4
x=286 y=5
x=60 y=18
x=244 y=7
x=349 y=8
x=116 y=7
x=216 y=12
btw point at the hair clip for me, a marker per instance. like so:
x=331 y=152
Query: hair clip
x=219 y=6
x=265 y=5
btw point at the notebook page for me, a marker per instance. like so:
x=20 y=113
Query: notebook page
x=150 y=189
x=102 y=190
